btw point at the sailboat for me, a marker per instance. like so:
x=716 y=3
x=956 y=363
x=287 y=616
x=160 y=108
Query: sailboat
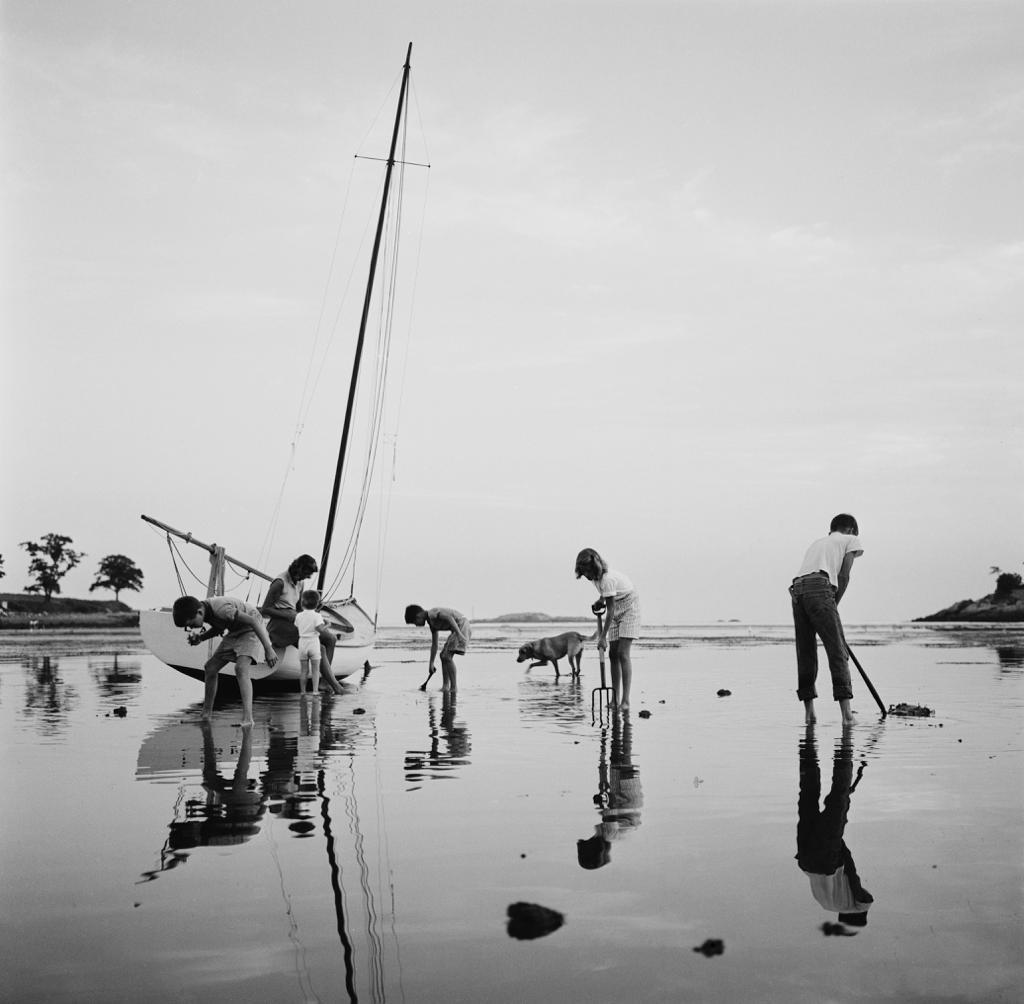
x=354 y=628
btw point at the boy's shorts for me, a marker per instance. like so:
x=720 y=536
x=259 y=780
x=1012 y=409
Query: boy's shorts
x=236 y=645
x=455 y=647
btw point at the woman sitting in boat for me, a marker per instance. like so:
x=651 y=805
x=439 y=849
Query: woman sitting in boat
x=282 y=604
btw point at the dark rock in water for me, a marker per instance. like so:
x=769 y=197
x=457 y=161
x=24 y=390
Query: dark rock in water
x=910 y=710
x=724 y=693
x=713 y=946
x=645 y=714
x=359 y=711
x=527 y=921
x=831 y=930
x=302 y=826
x=121 y=712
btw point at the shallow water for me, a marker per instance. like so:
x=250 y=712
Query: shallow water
x=367 y=847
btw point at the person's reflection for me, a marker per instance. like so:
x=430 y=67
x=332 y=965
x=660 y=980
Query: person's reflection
x=619 y=796
x=822 y=853
x=229 y=812
x=449 y=742
x=293 y=759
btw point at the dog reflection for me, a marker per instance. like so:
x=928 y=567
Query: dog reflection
x=619 y=796
x=822 y=853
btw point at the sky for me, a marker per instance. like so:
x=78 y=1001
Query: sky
x=681 y=282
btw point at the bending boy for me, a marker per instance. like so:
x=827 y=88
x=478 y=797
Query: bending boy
x=245 y=643
x=816 y=591
x=442 y=619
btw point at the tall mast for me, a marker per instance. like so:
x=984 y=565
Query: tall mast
x=362 y=328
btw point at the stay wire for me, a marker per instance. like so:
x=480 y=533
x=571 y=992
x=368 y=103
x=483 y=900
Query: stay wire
x=375 y=406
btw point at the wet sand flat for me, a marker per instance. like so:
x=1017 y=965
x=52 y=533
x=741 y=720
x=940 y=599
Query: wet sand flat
x=368 y=846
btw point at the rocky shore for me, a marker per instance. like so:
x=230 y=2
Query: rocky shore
x=994 y=608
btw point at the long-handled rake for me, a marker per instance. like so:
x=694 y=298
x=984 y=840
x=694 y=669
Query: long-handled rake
x=860 y=668
x=601 y=698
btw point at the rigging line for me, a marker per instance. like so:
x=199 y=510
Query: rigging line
x=386 y=521
x=376 y=406
x=372 y=918
x=308 y=394
x=384 y=327
x=419 y=118
x=174 y=565
x=302 y=972
x=299 y=421
x=384 y=857
x=373 y=437
x=339 y=896
x=336 y=322
x=181 y=557
x=384 y=160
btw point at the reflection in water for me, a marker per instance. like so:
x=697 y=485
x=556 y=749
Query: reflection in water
x=115 y=677
x=1010 y=656
x=619 y=796
x=227 y=813
x=561 y=700
x=822 y=853
x=48 y=699
x=449 y=743
x=310 y=780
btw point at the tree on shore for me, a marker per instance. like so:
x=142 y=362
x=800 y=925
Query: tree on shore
x=2 y=572
x=117 y=572
x=52 y=559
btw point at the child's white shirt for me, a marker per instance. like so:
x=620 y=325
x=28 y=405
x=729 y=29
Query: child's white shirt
x=307 y=621
x=826 y=555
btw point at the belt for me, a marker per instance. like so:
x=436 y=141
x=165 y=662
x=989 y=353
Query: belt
x=811 y=575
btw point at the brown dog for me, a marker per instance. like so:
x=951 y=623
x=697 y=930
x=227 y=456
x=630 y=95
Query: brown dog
x=560 y=646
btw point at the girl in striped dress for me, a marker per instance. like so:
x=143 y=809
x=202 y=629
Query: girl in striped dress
x=621 y=604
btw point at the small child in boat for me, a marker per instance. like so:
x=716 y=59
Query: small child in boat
x=310 y=624
x=621 y=605
x=440 y=619
x=245 y=644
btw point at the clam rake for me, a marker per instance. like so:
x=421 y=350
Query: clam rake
x=603 y=697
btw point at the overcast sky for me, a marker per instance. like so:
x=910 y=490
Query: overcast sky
x=689 y=278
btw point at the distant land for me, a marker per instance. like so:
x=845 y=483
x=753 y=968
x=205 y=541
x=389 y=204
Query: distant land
x=994 y=608
x=23 y=610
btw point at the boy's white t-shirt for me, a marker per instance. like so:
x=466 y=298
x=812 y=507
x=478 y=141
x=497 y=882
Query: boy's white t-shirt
x=614 y=583
x=307 y=621
x=826 y=555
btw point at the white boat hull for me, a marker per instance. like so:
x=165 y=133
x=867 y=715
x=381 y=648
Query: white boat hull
x=170 y=645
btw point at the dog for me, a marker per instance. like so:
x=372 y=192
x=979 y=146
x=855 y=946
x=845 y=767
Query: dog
x=560 y=646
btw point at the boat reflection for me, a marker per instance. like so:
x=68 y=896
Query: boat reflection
x=822 y=853
x=299 y=767
x=450 y=743
x=619 y=796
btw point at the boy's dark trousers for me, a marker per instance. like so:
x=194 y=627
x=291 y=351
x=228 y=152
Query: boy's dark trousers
x=815 y=615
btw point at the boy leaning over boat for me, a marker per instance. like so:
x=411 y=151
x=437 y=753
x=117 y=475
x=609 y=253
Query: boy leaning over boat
x=245 y=644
